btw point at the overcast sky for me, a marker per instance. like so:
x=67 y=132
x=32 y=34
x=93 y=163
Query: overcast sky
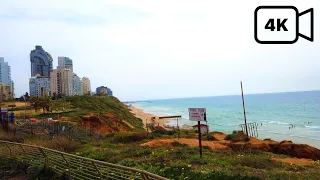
x=159 y=49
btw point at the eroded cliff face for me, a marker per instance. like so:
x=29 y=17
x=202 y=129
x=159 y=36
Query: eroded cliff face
x=105 y=124
x=284 y=147
x=296 y=150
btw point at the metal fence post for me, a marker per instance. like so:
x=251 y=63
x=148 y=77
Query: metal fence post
x=24 y=151
x=68 y=164
x=144 y=176
x=46 y=160
x=95 y=166
x=9 y=149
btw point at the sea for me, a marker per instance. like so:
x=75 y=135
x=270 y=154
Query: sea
x=291 y=116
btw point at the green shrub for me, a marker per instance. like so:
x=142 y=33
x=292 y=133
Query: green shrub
x=135 y=151
x=186 y=172
x=98 y=155
x=60 y=143
x=198 y=161
x=228 y=137
x=129 y=137
x=129 y=163
x=237 y=136
x=255 y=161
x=163 y=132
x=178 y=144
x=211 y=138
x=35 y=172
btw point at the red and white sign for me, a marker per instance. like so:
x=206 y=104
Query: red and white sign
x=197 y=114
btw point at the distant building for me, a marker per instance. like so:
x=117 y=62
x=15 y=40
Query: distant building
x=39 y=86
x=5 y=76
x=5 y=72
x=77 y=85
x=65 y=63
x=86 y=86
x=12 y=89
x=61 y=82
x=110 y=93
x=41 y=62
x=5 y=92
x=102 y=90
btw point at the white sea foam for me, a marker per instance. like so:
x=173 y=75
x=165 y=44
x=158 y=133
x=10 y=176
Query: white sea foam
x=312 y=127
x=277 y=122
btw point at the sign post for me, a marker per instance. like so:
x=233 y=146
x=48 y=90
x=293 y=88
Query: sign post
x=200 y=145
x=198 y=114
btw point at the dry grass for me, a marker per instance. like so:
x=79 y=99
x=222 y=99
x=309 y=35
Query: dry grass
x=29 y=112
x=11 y=137
x=60 y=143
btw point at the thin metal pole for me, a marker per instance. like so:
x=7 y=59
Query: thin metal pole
x=244 y=109
x=178 y=128
x=200 y=146
x=25 y=108
x=207 y=130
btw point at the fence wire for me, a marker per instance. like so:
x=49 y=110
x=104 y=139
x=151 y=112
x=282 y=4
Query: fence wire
x=75 y=166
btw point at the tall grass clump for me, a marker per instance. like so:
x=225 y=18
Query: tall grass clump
x=128 y=137
x=237 y=136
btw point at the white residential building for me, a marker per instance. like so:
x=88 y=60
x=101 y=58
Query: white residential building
x=61 y=82
x=77 y=85
x=65 y=63
x=39 y=86
x=5 y=72
x=86 y=86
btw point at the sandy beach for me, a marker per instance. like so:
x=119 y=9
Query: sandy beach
x=146 y=117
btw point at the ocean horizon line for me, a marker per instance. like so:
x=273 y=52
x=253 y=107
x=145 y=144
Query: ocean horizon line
x=227 y=95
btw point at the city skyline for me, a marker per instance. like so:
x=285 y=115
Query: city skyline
x=62 y=81
x=149 y=50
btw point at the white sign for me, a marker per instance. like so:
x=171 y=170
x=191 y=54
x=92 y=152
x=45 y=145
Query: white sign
x=197 y=114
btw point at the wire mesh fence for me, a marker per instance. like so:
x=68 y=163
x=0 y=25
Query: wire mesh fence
x=74 y=166
x=77 y=132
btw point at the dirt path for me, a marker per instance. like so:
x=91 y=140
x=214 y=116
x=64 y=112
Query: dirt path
x=214 y=145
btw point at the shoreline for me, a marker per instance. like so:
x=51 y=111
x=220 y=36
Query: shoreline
x=146 y=117
x=140 y=113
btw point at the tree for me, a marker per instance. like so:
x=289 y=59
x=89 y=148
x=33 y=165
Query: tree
x=26 y=96
x=21 y=98
x=45 y=103
x=35 y=102
x=54 y=96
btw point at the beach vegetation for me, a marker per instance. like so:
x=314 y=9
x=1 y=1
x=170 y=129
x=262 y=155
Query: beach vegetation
x=126 y=137
x=178 y=144
x=12 y=168
x=237 y=136
x=163 y=132
x=180 y=161
x=174 y=160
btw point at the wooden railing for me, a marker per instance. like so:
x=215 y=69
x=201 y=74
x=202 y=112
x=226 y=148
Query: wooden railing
x=74 y=166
